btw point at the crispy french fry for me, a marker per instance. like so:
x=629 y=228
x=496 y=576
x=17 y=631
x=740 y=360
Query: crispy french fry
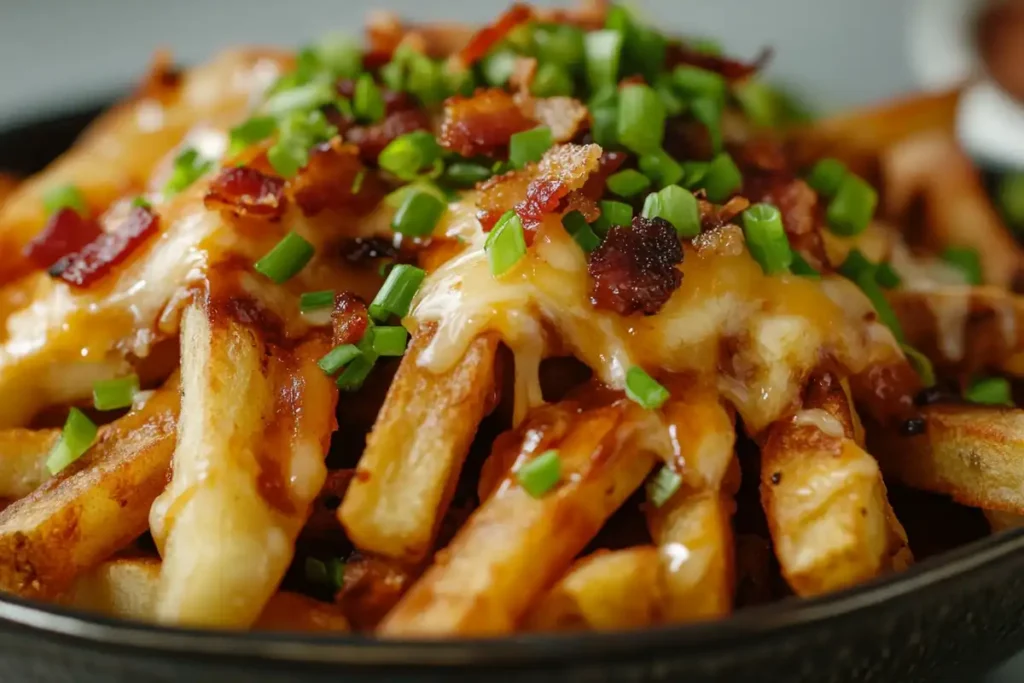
x=255 y=424
x=413 y=457
x=23 y=454
x=824 y=498
x=126 y=588
x=1003 y=521
x=95 y=506
x=602 y=592
x=514 y=546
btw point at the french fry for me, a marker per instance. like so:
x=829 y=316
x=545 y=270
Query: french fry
x=824 y=498
x=974 y=454
x=602 y=592
x=407 y=474
x=23 y=455
x=92 y=508
x=515 y=546
x=1003 y=521
x=255 y=423
x=126 y=588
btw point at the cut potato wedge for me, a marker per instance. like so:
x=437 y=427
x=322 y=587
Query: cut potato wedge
x=23 y=455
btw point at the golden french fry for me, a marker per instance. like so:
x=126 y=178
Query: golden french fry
x=602 y=592
x=825 y=500
x=514 y=545
x=95 y=506
x=126 y=588
x=23 y=455
x=406 y=476
x=1003 y=521
x=255 y=424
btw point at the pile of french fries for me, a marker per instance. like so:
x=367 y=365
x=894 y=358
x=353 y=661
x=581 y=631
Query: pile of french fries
x=203 y=503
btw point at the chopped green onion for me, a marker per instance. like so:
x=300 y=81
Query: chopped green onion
x=852 y=207
x=529 y=145
x=302 y=98
x=576 y=225
x=466 y=174
x=506 y=244
x=721 y=178
x=766 y=238
x=694 y=173
x=1010 y=194
x=418 y=215
x=705 y=46
x=64 y=197
x=967 y=261
x=641 y=388
x=355 y=373
x=315 y=571
x=695 y=82
x=140 y=202
x=339 y=357
x=991 y=391
x=758 y=102
x=641 y=126
x=336 y=572
x=855 y=264
x=628 y=183
x=921 y=364
x=392 y=75
x=458 y=80
x=188 y=168
x=677 y=206
x=426 y=80
x=77 y=436
x=605 y=128
x=390 y=341
x=286 y=259
x=367 y=100
x=357 y=181
x=645 y=50
x=551 y=80
x=800 y=266
x=662 y=169
x=114 y=394
x=541 y=474
x=887 y=276
x=663 y=485
x=396 y=294
x=256 y=129
x=497 y=67
x=560 y=44
x=612 y=213
x=868 y=284
x=708 y=111
x=287 y=157
x=826 y=176
x=340 y=54
x=314 y=301
x=674 y=105
x=603 y=56
x=396 y=198
x=407 y=155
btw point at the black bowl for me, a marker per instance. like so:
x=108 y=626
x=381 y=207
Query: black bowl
x=951 y=614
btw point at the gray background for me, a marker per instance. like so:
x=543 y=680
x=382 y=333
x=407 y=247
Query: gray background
x=55 y=52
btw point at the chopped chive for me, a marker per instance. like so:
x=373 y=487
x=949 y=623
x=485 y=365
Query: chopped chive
x=921 y=364
x=357 y=181
x=605 y=123
x=695 y=82
x=64 y=197
x=418 y=215
x=677 y=206
x=140 y=202
x=338 y=357
x=628 y=183
x=114 y=394
x=390 y=340
x=705 y=46
x=826 y=176
x=612 y=213
x=887 y=276
x=367 y=100
x=868 y=284
x=992 y=391
x=576 y=225
x=560 y=44
x=967 y=261
x=551 y=80
x=663 y=485
x=466 y=174
x=286 y=157
x=78 y=435
x=286 y=259
x=396 y=294
x=852 y=207
x=541 y=474
x=694 y=172
x=721 y=179
x=315 y=571
x=336 y=572
x=603 y=55
x=188 y=168
x=396 y=198
x=641 y=125
x=759 y=103
x=529 y=145
x=407 y=155
x=497 y=67
x=425 y=80
x=766 y=238
x=458 y=80
x=355 y=373
x=800 y=266
x=708 y=111
x=674 y=105
x=506 y=244
x=339 y=53
x=643 y=389
x=305 y=97
x=855 y=264
x=314 y=301
x=661 y=168
x=256 y=129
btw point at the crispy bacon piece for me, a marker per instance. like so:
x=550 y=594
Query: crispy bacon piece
x=372 y=139
x=635 y=268
x=565 y=116
x=246 y=191
x=483 y=123
x=349 y=318
x=97 y=258
x=731 y=69
x=66 y=231
x=327 y=181
x=607 y=164
x=489 y=36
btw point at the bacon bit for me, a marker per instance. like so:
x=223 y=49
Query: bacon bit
x=635 y=268
x=362 y=249
x=565 y=116
x=587 y=14
x=523 y=71
x=713 y=216
x=609 y=163
x=489 y=36
x=384 y=32
x=481 y=124
x=349 y=318
x=245 y=191
x=109 y=249
x=66 y=231
x=326 y=181
x=371 y=140
x=731 y=69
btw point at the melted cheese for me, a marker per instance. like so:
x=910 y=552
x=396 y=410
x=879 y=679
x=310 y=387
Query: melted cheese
x=822 y=420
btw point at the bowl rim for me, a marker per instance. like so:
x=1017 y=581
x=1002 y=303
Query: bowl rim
x=761 y=622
